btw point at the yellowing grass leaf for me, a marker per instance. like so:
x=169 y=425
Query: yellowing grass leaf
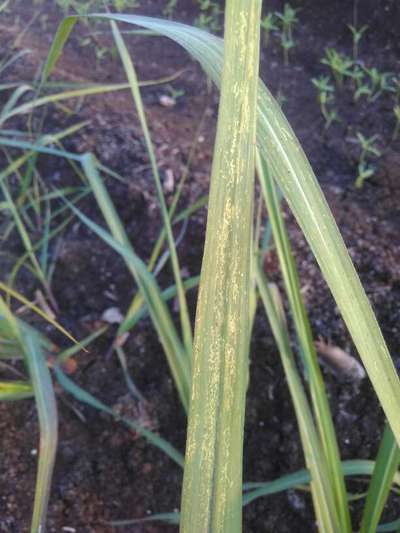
x=31 y=345
x=15 y=390
x=212 y=486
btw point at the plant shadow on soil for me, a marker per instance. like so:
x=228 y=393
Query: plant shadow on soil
x=104 y=472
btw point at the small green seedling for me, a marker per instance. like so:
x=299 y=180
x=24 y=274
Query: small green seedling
x=169 y=9
x=357 y=34
x=83 y=7
x=287 y=19
x=121 y=5
x=268 y=25
x=340 y=65
x=210 y=16
x=326 y=96
x=287 y=44
x=379 y=82
x=101 y=52
x=369 y=149
x=396 y=111
x=175 y=94
x=395 y=88
x=361 y=88
x=364 y=171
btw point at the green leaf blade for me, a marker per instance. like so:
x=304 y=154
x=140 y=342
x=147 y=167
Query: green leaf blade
x=212 y=488
x=386 y=466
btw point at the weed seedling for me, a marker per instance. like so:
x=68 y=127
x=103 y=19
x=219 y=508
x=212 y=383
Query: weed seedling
x=379 y=82
x=175 y=93
x=361 y=87
x=287 y=44
x=121 y=5
x=395 y=88
x=357 y=34
x=101 y=52
x=326 y=96
x=288 y=19
x=169 y=9
x=396 y=111
x=368 y=149
x=339 y=64
x=210 y=16
x=268 y=25
x=82 y=8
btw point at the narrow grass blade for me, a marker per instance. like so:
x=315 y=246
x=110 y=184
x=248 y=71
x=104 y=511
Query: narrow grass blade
x=134 y=85
x=22 y=260
x=85 y=397
x=37 y=310
x=48 y=422
x=319 y=397
x=254 y=491
x=11 y=109
x=386 y=465
x=135 y=392
x=138 y=309
x=61 y=36
x=10 y=104
x=137 y=302
x=166 y=518
x=31 y=345
x=182 y=216
x=15 y=390
x=63 y=356
x=9 y=339
x=37 y=148
x=177 y=357
x=322 y=492
x=23 y=234
x=161 y=318
x=350 y=468
x=9 y=349
x=14 y=57
x=392 y=526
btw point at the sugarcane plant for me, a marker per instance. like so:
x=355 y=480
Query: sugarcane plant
x=210 y=370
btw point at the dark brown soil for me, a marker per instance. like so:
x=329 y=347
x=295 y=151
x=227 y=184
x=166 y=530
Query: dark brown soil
x=104 y=472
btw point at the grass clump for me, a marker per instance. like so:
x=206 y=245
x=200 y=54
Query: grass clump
x=210 y=369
